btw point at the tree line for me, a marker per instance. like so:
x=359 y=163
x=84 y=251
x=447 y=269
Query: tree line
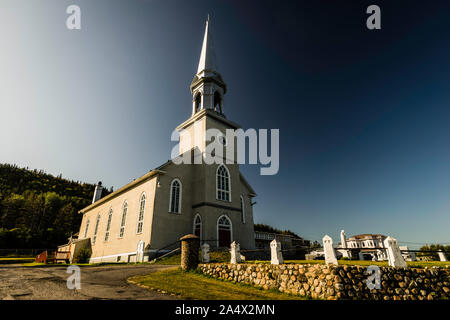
x=39 y=210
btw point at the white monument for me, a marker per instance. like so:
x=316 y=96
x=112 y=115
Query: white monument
x=235 y=252
x=328 y=250
x=345 y=253
x=205 y=253
x=442 y=256
x=276 y=257
x=140 y=251
x=361 y=256
x=394 y=254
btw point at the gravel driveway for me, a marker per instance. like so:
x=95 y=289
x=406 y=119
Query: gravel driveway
x=97 y=282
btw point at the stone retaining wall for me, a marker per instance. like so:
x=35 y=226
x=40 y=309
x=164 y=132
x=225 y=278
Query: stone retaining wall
x=337 y=282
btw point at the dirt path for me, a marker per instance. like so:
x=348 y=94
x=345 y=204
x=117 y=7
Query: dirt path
x=50 y=283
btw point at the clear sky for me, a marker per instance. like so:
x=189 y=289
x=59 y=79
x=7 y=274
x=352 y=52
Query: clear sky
x=363 y=115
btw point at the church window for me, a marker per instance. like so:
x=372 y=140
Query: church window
x=175 y=196
x=197 y=101
x=124 y=218
x=217 y=102
x=108 y=224
x=87 y=228
x=140 y=223
x=96 y=229
x=242 y=210
x=198 y=226
x=223 y=183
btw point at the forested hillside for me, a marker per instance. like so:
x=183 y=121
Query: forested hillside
x=39 y=210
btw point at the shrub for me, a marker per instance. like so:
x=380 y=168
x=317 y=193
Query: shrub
x=83 y=256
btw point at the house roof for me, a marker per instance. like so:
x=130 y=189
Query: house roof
x=366 y=236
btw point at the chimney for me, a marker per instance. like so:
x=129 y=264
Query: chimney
x=97 y=192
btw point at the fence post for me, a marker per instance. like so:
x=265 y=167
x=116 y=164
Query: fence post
x=189 y=251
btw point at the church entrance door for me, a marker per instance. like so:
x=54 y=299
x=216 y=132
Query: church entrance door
x=224 y=231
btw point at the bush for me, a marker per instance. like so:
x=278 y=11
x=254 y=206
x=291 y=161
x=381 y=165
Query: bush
x=83 y=256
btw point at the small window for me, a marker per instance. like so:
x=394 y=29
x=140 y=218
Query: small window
x=140 y=223
x=86 y=230
x=198 y=101
x=198 y=226
x=124 y=218
x=217 y=102
x=242 y=210
x=108 y=225
x=223 y=183
x=96 y=229
x=175 y=196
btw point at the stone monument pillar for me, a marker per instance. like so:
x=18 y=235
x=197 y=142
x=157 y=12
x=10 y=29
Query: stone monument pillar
x=140 y=251
x=276 y=256
x=190 y=245
x=361 y=256
x=235 y=252
x=394 y=254
x=328 y=250
x=205 y=253
x=442 y=256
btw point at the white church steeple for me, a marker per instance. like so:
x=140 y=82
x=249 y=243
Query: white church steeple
x=207 y=87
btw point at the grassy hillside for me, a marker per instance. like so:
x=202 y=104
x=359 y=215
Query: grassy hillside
x=37 y=209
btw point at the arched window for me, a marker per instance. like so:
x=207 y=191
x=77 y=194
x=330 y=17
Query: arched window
x=197 y=101
x=224 y=234
x=108 y=224
x=217 y=102
x=223 y=183
x=140 y=223
x=198 y=226
x=175 y=196
x=242 y=210
x=96 y=229
x=86 y=230
x=124 y=218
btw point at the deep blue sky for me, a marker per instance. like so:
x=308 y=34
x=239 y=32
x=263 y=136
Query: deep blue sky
x=363 y=115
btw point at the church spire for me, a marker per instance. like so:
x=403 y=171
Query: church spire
x=207 y=87
x=207 y=56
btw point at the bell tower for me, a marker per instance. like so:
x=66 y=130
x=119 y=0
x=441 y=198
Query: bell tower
x=207 y=87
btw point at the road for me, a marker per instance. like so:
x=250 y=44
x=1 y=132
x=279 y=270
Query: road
x=97 y=282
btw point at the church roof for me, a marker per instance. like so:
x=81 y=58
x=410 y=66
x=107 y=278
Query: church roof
x=207 y=56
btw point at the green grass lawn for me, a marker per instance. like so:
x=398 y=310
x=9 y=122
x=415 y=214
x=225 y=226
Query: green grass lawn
x=220 y=256
x=11 y=260
x=196 y=286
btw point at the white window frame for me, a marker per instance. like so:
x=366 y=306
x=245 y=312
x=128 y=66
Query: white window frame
x=123 y=220
x=217 y=184
x=108 y=224
x=97 y=222
x=180 y=197
x=242 y=209
x=140 y=220
x=217 y=228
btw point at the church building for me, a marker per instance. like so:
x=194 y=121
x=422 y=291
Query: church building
x=212 y=201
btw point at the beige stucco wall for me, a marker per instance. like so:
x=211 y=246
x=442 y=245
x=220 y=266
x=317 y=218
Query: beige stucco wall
x=128 y=243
